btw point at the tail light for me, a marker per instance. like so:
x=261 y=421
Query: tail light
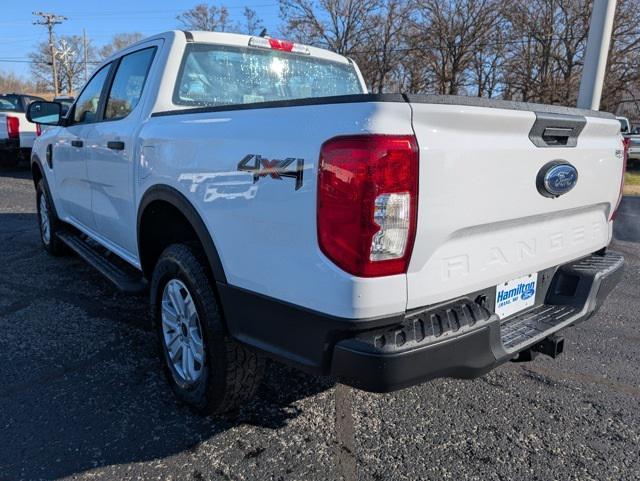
x=625 y=157
x=38 y=130
x=368 y=202
x=13 y=127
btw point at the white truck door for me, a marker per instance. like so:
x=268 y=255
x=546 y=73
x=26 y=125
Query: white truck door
x=70 y=153
x=112 y=148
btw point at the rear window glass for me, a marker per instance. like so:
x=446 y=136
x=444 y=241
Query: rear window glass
x=213 y=75
x=10 y=103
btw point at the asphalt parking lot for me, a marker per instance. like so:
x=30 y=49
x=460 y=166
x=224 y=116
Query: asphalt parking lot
x=82 y=395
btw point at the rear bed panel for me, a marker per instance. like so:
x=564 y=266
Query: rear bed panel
x=481 y=219
x=265 y=232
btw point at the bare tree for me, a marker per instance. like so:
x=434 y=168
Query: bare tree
x=571 y=29
x=446 y=33
x=253 y=24
x=339 y=25
x=488 y=62
x=10 y=82
x=522 y=65
x=622 y=82
x=70 y=58
x=118 y=42
x=206 y=17
x=381 y=58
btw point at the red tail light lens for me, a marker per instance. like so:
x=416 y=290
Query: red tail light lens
x=13 y=127
x=368 y=202
x=38 y=130
x=625 y=158
x=283 y=45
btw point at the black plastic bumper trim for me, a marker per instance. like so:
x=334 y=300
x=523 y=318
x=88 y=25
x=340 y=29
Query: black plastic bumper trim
x=11 y=145
x=466 y=356
x=458 y=339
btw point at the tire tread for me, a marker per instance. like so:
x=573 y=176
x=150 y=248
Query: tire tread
x=237 y=371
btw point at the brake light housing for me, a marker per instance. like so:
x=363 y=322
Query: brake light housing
x=281 y=45
x=625 y=158
x=13 y=127
x=38 y=130
x=368 y=202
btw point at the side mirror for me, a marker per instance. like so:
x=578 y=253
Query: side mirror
x=44 y=113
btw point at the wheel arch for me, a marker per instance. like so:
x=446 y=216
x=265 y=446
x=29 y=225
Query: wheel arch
x=162 y=193
x=38 y=174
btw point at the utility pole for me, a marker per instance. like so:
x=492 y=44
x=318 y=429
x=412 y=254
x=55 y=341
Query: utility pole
x=595 y=62
x=84 y=49
x=49 y=20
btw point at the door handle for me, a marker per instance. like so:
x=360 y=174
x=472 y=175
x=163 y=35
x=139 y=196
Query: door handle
x=115 y=145
x=77 y=143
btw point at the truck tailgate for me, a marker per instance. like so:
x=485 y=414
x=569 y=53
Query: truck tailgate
x=481 y=217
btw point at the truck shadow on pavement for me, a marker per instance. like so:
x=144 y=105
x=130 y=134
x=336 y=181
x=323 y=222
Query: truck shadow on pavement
x=627 y=224
x=81 y=383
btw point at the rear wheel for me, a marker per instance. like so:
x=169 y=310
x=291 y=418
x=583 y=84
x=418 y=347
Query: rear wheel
x=205 y=367
x=48 y=222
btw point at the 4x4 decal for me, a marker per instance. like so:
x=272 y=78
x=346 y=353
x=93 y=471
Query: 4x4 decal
x=276 y=169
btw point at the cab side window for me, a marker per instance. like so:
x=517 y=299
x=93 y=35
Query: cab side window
x=128 y=83
x=87 y=104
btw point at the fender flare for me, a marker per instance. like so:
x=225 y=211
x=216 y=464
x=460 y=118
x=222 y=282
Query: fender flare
x=36 y=160
x=174 y=197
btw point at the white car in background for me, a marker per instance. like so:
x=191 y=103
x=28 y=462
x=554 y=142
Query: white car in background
x=634 y=146
x=625 y=126
x=17 y=134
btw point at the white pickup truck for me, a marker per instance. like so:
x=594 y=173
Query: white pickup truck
x=273 y=208
x=16 y=133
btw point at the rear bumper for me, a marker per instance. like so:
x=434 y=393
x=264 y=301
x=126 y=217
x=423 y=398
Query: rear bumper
x=462 y=338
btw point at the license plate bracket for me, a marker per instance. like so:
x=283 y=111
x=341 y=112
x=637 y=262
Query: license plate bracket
x=516 y=295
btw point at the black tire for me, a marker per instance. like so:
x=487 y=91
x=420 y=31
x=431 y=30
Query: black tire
x=51 y=243
x=231 y=373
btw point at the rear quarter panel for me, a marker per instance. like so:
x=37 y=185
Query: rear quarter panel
x=265 y=232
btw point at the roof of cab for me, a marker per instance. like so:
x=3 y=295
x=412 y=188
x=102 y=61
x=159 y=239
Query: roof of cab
x=231 y=39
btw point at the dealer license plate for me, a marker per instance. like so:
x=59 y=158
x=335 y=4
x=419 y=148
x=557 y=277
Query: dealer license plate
x=516 y=295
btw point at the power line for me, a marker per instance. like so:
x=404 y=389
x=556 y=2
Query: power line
x=50 y=20
x=39 y=62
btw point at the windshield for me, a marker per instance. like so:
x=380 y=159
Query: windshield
x=10 y=103
x=213 y=75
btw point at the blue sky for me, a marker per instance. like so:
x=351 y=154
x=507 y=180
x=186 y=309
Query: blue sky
x=18 y=35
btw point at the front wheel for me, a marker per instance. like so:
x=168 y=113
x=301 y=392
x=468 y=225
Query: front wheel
x=48 y=222
x=205 y=367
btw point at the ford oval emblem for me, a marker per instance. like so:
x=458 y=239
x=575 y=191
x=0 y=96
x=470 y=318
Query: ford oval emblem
x=556 y=178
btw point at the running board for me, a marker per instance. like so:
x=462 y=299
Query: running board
x=125 y=277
